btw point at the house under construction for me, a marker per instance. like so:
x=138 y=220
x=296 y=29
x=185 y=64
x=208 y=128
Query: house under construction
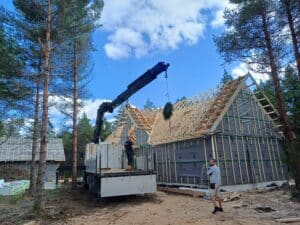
x=236 y=124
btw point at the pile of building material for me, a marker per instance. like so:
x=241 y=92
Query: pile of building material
x=13 y=187
x=10 y=172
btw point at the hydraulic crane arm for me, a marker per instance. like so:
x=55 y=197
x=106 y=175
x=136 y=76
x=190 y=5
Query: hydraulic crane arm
x=132 y=88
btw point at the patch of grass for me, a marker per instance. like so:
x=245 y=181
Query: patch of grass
x=53 y=192
x=4 y=212
x=14 y=199
x=3 y=198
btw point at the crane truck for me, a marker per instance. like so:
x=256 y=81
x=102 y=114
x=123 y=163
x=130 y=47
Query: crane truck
x=105 y=175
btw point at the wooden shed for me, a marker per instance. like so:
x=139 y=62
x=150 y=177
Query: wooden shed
x=15 y=152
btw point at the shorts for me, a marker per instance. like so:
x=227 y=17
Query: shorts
x=214 y=190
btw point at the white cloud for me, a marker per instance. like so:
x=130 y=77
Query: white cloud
x=243 y=68
x=218 y=20
x=125 y=42
x=139 y=27
x=90 y=107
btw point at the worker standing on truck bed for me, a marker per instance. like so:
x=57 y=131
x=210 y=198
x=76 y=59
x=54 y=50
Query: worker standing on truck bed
x=129 y=153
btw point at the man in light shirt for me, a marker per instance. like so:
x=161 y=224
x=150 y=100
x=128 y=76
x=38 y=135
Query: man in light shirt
x=214 y=175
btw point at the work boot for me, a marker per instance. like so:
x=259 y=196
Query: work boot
x=220 y=209
x=215 y=210
x=129 y=168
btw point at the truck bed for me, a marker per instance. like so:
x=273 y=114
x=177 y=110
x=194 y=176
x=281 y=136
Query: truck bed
x=120 y=182
x=122 y=172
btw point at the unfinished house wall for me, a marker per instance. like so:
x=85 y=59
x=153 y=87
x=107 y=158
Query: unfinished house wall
x=248 y=147
x=183 y=163
x=141 y=137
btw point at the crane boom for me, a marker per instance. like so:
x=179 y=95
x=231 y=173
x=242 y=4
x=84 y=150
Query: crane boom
x=132 y=88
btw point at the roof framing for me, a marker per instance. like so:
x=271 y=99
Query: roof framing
x=200 y=115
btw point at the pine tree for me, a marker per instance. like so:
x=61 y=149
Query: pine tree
x=107 y=129
x=77 y=22
x=118 y=118
x=14 y=84
x=35 y=131
x=226 y=77
x=85 y=135
x=31 y=24
x=292 y=14
x=36 y=23
x=268 y=89
x=46 y=48
x=66 y=137
x=183 y=98
x=149 y=104
x=291 y=87
x=255 y=38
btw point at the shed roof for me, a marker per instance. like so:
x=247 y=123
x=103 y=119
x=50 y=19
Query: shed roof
x=16 y=149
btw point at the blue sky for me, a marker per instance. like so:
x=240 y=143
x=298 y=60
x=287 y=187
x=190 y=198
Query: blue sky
x=136 y=34
x=192 y=69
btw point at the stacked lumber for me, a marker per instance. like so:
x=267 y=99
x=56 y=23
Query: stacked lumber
x=181 y=191
x=289 y=220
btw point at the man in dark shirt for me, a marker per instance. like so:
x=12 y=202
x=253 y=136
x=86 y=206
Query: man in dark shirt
x=129 y=153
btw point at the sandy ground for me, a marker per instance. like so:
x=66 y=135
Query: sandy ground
x=161 y=209
x=170 y=209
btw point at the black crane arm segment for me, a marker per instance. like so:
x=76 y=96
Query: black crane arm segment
x=132 y=88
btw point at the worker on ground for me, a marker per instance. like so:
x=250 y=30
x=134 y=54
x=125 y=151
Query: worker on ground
x=129 y=153
x=214 y=183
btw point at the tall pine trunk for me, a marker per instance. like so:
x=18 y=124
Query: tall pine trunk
x=293 y=146
x=274 y=73
x=280 y=99
x=75 y=115
x=40 y=184
x=35 y=131
x=291 y=23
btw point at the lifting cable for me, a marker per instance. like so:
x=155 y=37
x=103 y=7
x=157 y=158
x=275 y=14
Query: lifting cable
x=168 y=109
x=167 y=86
